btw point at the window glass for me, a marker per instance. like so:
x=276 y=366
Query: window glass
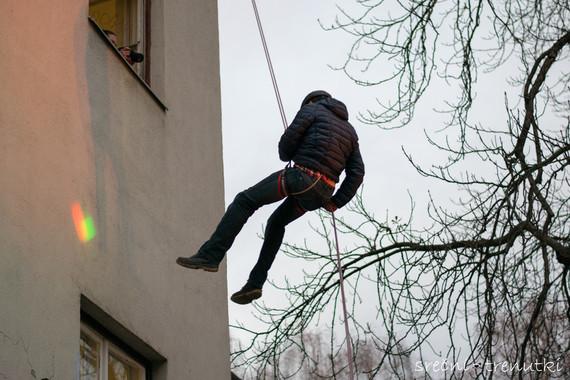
x=89 y=357
x=118 y=369
x=126 y=19
x=121 y=369
x=101 y=360
x=113 y=15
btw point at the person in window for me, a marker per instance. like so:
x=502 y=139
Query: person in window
x=125 y=51
x=322 y=144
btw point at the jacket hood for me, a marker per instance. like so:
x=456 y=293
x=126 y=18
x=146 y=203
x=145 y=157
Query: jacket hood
x=335 y=106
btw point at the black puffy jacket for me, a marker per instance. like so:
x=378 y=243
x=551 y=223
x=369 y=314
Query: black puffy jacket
x=321 y=138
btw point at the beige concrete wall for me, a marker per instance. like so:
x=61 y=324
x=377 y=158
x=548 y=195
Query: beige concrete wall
x=77 y=126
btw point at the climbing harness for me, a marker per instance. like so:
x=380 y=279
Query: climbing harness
x=317 y=175
x=282 y=188
x=285 y=124
x=308 y=188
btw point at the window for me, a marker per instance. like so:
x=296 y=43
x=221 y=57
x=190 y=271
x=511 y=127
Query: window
x=102 y=360
x=128 y=20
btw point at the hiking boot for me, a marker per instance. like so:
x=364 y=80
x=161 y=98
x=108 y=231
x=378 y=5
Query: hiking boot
x=247 y=294
x=197 y=262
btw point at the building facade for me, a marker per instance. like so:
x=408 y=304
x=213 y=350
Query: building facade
x=108 y=172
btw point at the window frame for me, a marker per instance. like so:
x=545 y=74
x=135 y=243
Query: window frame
x=110 y=345
x=120 y=354
x=85 y=330
x=137 y=13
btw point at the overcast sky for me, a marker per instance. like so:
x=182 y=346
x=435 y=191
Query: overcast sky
x=301 y=52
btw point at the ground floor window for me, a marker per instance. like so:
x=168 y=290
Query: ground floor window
x=100 y=359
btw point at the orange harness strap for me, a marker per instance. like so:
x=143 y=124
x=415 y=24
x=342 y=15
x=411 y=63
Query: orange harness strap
x=281 y=185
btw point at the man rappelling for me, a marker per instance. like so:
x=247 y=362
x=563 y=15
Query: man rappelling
x=322 y=144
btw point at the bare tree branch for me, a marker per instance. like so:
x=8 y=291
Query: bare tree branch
x=485 y=281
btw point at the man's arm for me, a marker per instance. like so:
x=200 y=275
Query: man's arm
x=354 y=176
x=295 y=132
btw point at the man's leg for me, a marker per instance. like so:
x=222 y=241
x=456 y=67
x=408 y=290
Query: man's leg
x=287 y=212
x=238 y=212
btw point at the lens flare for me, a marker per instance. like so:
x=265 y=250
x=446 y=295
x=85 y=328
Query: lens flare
x=83 y=224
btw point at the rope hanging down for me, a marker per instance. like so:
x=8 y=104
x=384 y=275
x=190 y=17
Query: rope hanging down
x=341 y=281
x=270 y=65
x=285 y=124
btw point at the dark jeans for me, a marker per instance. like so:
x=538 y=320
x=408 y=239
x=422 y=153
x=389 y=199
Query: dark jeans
x=267 y=191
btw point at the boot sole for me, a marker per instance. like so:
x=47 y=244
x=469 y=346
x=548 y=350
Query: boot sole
x=245 y=298
x=196 y=266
